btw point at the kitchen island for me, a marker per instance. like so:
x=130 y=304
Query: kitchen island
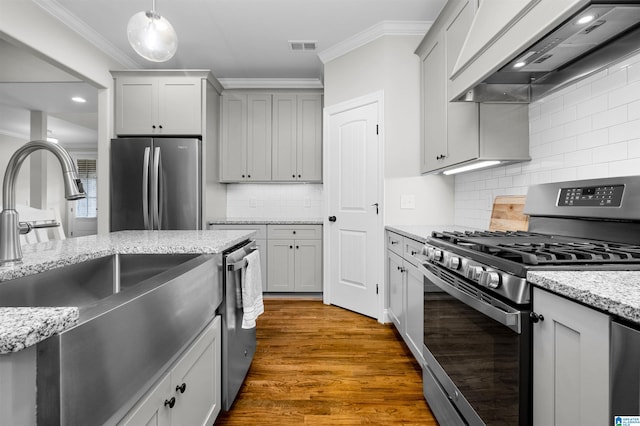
x=24 y=327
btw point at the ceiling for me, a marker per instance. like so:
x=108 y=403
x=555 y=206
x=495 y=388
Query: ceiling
x=236 y=39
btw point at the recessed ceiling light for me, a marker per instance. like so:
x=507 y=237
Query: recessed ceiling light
x=78 y=99
x=586 y=19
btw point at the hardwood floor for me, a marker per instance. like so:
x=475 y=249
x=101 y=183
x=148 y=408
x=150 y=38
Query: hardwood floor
x=322 y=365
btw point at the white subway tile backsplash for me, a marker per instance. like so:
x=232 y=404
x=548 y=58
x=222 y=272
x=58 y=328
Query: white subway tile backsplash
x=578 y=126
x=633 y=149
x=633 y=110
x=286 y=201
x=551 y=104
x=625 y=95
x=624 y=132
x=628 y=167
x=592 y=106
x=614 y=79
x=592 y=139
x=578 y=95
x=610 y=117
x=609 y=153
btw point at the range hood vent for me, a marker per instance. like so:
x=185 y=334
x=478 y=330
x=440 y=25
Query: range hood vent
x=590 y=40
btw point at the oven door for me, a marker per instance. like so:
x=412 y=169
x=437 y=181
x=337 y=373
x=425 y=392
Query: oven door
x=477 y=351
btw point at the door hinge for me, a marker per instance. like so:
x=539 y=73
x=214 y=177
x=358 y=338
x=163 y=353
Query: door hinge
x=377 y=130
x=376 y=288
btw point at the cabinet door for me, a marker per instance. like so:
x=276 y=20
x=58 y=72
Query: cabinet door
x=570 y=363
x=284 y=138
x=415 y=310
x=281 y=265
x=136 y=105
x=308 y=265
x=151 y=410
x=396 y=290
x=309 y=138
x=258 y=137
x=180 y=106
x=233 y=144
x=196 y=381
x=434 y=120
x=462 y=117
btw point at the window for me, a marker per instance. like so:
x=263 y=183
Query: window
x=87 y=207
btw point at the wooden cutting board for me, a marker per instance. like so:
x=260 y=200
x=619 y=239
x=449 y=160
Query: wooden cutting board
x=507 y=214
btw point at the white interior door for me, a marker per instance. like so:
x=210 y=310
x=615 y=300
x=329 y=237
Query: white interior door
x=353 y=188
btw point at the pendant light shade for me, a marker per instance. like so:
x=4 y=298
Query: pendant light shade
x=152 y=36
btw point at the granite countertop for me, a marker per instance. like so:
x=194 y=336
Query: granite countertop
x=613 y=292
x=23 y=327
x=260 y=221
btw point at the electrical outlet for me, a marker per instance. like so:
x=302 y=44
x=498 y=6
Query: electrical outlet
x=253 y=202
x=407 y=201
x=307 y=202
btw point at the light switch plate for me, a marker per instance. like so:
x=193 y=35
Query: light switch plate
x=407 y=201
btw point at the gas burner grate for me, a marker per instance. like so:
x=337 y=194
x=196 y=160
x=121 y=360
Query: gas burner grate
x=531 y=248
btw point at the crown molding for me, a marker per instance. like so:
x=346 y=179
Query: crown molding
x=382 y=28
x=56 y=10
x=271 y=83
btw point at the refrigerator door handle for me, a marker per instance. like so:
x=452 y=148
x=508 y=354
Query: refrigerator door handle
x=155 y=187
x=161 y=189
x=145 y=188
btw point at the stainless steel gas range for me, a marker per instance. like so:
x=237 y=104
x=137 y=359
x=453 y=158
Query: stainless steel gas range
x=477 y=300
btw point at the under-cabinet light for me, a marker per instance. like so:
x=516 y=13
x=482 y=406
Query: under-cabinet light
x=480 y=165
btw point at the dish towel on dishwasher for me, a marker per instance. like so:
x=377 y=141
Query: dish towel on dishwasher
x=252 y=304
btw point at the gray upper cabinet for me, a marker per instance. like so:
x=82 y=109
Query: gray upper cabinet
x=297 y=138
x=246 y=138
x=271 y=137
x=150 y=105
x=460 y=133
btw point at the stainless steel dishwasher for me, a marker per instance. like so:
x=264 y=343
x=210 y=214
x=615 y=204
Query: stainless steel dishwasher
x=625 y=370
x=238 y=344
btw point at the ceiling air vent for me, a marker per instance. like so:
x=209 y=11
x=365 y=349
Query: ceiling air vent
x=302 y=45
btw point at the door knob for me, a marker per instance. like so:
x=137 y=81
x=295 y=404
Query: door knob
x=332 y=218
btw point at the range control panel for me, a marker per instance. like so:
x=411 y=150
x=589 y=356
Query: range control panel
x=592 y=196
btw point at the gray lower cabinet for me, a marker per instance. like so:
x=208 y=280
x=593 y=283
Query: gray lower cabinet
x=405 y=287
x=190 y=392
x=295 y=258
x=570 y=363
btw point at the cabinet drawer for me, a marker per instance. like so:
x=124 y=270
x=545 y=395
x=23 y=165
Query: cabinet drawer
x=411 y=248
x=261 y=229
x=298 y=232
x=394 y=243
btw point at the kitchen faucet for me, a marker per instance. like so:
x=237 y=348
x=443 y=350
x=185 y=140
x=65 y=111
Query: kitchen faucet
x=10 y=227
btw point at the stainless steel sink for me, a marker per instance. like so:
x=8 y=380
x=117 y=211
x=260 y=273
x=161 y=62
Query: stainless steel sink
x=85 y=284
x=137 y=312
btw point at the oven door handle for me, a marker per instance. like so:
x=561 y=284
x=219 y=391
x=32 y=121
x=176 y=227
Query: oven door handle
x=509 y=319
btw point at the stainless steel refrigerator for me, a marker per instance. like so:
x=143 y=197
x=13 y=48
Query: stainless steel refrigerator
x=156 y=183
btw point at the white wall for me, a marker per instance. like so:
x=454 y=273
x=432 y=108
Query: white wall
x=268 y=201
x=389 y=64
x=588 y=130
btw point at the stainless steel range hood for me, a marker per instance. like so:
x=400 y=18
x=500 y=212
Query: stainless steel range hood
x=593 y=37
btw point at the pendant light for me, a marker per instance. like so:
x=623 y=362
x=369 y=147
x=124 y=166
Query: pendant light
x=152 y=36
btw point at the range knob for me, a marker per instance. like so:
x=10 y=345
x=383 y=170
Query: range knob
x=437 y=255
x=473 y=272
x=490 y=279
x=454 y=262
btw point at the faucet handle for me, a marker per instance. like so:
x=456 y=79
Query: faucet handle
x=24 y=227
